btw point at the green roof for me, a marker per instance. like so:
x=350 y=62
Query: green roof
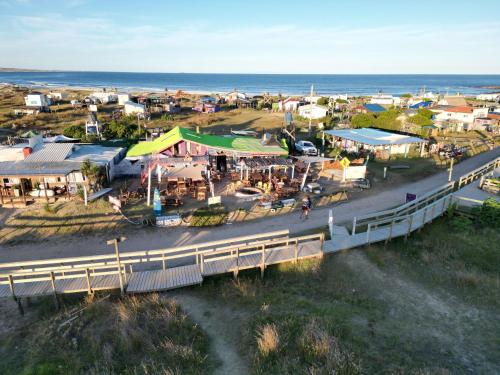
x=247 y=145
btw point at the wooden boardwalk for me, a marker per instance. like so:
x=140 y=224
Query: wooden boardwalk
x=154 y=270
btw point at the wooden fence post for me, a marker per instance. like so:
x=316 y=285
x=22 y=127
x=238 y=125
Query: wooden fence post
x=410 y=222
x=89 y=285
x=390 y=232
x=368 y=233
x=202 y=263
x=237 y=269
x=322 y=241
x=54 y=291
x=263 y=261
x=18 y=300
x=296 y=250
x=164 y=262
x=353 y=232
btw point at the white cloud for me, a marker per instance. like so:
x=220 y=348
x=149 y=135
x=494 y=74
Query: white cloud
x=96 y=43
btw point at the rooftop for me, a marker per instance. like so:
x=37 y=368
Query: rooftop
x=47 y=152
x=374 y=137
x=245 y=145
x=374 y=107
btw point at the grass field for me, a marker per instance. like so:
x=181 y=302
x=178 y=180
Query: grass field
x=426 y=306
x=136 y=335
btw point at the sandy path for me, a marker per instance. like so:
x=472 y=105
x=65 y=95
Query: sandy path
x=171 y=237
x=221 y=324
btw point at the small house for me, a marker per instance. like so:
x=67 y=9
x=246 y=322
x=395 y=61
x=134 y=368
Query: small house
x=206 y=107
x=289 y=104
x=462 y=114
x=122 y=98
x=383 y=143
x=131 y=108
x=37 y=100
x=93 y=125
x=313 y=111
x=58 y=96
x=388 y=100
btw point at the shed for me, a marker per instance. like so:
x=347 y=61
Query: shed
x=354 y=140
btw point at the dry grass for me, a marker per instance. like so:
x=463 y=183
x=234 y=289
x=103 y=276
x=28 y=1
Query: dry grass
x=135 y=335
x=267 y=339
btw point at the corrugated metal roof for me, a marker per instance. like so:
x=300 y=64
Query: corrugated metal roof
x=374 y=137
x=50 y=152
x=374 y=107
x=23 y=168
x=95 y=153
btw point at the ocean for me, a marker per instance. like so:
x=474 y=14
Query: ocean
x=287 y=84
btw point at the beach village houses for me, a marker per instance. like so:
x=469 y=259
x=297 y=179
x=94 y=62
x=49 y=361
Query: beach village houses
x=37 y=169
x=387 y=100
x=313 y=111
x=37 y=100
x=458 y=118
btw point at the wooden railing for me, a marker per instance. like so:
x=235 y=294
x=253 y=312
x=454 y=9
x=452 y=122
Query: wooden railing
x=477 y=173
x=47 y=273
x=403 y=210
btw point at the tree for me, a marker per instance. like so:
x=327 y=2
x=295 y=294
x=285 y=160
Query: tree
x=427 y=113
x=323 y=101
x=420 y=120
x=407 y=95
x=126 y=127
x=363 y=120
x=75 y=131
x=388 y=120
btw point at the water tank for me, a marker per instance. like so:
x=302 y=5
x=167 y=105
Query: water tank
x=27 y=151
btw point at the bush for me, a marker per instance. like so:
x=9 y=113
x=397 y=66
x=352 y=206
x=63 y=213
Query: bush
x=488 y=214
x=268 y=339
x=75 y=131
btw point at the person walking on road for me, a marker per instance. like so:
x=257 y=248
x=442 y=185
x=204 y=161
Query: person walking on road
x=306 y=208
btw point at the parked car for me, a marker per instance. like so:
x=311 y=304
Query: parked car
x=306 y=148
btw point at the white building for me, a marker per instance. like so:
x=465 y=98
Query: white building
x=122 y=98
x=492 y=96
x=382 y=99
x=339 y=97
x=37 y=100
x=312 y=99
x=131 y=108
x=105 y=97
x=463 y=117
x=313 y=111
x=289 y=104
x=354 y=140
x=58 y=96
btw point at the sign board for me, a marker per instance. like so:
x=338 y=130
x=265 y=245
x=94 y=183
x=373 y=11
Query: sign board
x=115 y=201
x=345 y=162
x=214 y=200
x=410 y=197
x=168 y=221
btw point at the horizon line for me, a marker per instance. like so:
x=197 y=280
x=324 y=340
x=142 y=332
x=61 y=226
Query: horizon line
x=28 y=70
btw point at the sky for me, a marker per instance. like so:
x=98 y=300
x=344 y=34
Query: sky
x=218 y=36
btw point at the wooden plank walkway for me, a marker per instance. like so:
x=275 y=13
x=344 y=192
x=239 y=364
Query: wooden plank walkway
x=158 y=280
x=157 y=271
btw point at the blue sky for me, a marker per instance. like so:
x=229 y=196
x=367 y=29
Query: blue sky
x=253 y=37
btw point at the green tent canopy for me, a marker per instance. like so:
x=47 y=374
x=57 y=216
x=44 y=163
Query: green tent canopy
x=244 y=145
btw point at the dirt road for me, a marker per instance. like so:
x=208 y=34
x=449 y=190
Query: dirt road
x=171 y=237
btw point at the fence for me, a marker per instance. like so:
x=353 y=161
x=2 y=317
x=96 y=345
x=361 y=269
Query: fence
x=478 y=172
x=405 y=209
x=154 y=270
x=391 y=227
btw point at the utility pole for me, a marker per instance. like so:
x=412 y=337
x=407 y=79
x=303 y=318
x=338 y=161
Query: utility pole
x=310 y=109
x=450 y=170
